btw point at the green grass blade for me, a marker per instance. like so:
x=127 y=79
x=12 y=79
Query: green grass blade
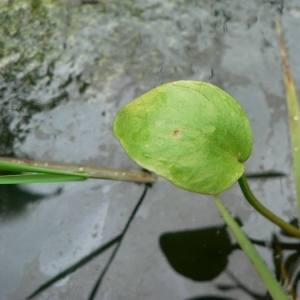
x=38 y=178
x=260 y=266
x=12 y=167
x=88 y=171
x=293 y=112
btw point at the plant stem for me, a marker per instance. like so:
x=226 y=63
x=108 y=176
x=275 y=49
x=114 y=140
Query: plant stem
x=273 y=286
x=264 y=211
x=293 y=111
x=91 y=172
x=260 y=266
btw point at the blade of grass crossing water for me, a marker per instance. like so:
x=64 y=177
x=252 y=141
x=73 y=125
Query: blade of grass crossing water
x=12 y=167
x=260 y=266
x=43 y=175
x=73 y=169
x=38 y=178
x=293 y=111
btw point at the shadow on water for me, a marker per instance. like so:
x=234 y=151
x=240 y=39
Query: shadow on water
x=117 y=240
x=200 y=255
x=203 y=254
x=75 y=266
x=14 y=199
x=210 y=298
x=20 y=74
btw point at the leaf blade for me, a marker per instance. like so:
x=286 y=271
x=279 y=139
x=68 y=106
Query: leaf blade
x=38 y=178
x=260 y=266
x=293 y=111
x=189 y=132
x=13 y=167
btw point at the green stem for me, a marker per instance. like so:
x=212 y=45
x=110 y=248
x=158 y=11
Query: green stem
x=273 y=286
x=264 y=211
x=86 y=171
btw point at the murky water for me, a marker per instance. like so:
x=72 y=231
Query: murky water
x=66 y=68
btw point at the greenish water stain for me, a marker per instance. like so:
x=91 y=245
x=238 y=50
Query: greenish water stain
x=31 y=37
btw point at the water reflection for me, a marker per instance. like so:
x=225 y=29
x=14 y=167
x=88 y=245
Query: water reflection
x=200 y=255
x=14 y=200
x=203 y=254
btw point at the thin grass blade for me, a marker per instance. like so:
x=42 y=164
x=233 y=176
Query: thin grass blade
x=293 y=111
x=12 y=167
x=91 y=171
x=263 y=271
x=38 y=178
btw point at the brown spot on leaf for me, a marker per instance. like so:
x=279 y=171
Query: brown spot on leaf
x=176 y=133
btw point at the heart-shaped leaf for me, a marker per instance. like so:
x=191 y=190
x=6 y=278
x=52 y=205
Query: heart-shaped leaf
x=189 y=132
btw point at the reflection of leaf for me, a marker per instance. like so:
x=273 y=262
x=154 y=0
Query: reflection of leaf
x=118 y=239
x=210 y=298
x=270 y=174
x=296 y=281
x=200 y=255
x=260 y=266
x=286 y=268
x=291 y=263
x=239 y=285
x=13 y=199
x=226 y=287
x=75 y=266
x=293 y=222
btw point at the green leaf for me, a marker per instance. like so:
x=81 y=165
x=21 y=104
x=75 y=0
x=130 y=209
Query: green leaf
x=44 y=175
x=13 y=167
x=259 y=265
x=189 y=132
x=38 y=178
x=293 y=111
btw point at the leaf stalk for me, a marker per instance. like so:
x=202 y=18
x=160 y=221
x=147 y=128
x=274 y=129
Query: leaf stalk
x=294 y=231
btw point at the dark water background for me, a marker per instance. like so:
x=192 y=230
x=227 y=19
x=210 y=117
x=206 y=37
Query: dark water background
x=66 y=68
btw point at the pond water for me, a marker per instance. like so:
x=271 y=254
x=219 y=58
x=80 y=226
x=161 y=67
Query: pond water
x=66 y=68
